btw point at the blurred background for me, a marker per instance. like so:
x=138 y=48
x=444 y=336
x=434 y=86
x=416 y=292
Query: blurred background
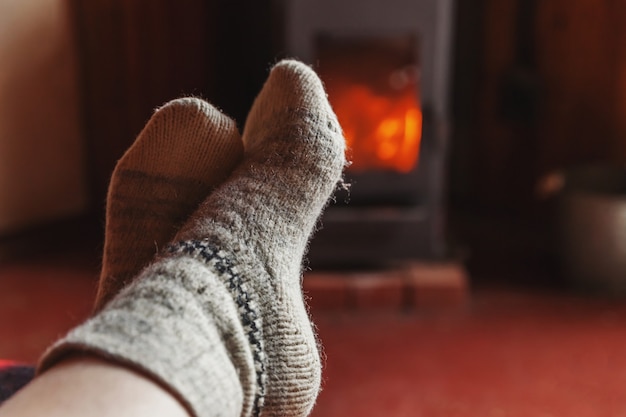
x=477 y=266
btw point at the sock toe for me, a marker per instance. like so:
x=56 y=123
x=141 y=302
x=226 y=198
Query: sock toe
x=292 y=94
x=199 y=123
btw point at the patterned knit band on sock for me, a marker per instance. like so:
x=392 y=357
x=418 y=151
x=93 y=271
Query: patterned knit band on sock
x=187 y=148
x=220 y=319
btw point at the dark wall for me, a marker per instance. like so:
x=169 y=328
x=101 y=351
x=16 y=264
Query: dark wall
x=137 y=55
x=539 y=86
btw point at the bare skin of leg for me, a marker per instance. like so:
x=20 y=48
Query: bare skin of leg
x=88 y=386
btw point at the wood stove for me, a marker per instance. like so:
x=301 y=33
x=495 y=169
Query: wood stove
x=385 y=65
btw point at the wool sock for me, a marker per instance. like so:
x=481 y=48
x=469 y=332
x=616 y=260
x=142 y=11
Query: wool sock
x=219 y=319
x=186 y=149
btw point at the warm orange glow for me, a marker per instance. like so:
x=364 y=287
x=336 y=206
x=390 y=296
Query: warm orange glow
x=382 y=131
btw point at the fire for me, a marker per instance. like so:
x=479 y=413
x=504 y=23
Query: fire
x=383 y=131
x=373 y=86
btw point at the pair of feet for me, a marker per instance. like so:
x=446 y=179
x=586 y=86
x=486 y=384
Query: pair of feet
x=218 y=316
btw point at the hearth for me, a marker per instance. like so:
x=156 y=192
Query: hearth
x=385 y=65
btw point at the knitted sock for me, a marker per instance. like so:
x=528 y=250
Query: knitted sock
x=260 y=221
x=220 y=320
x=186 y=149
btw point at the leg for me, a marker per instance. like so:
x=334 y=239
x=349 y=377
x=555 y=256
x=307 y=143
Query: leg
x=87 y=386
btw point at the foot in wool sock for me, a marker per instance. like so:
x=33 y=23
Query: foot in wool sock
x=219 y=318
x=260 y=221
x=186 y=149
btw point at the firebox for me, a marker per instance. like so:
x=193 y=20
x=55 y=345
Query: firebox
x=373 y=86
x=385 y=67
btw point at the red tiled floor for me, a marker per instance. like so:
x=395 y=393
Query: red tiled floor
x=41 y=300
x=505 y=353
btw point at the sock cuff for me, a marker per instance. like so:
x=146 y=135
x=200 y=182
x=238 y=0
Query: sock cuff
x=177 y=324
x=224 y=265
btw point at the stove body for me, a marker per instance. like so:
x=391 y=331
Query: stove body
x=388 y=215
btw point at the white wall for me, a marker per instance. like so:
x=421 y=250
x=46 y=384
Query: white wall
x=41 y=154
x=431 y=20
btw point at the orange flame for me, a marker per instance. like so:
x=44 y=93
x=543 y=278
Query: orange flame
x=382 y=132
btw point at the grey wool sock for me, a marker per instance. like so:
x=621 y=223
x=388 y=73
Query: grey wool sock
x=186 y=149
x=219 y=318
